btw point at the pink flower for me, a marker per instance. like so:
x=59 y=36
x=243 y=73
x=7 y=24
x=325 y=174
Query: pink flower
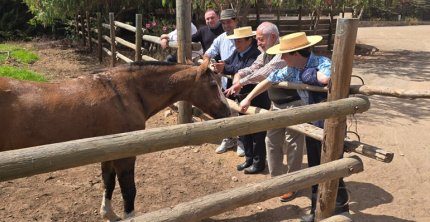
x=154 y=23
x=148 y=25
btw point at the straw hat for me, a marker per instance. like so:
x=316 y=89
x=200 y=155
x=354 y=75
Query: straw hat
x=242 y=32
x=294 y=42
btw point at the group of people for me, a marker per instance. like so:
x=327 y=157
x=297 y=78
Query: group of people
x=254 y=65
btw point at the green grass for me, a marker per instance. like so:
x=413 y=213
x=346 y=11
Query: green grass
x=22 y=74
x=20 y=54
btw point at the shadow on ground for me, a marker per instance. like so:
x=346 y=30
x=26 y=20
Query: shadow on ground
x=365 y=196
x=415 y=66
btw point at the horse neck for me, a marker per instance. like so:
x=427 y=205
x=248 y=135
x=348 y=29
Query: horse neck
x=163 y=86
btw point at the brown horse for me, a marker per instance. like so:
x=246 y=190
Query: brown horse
x=115 y=101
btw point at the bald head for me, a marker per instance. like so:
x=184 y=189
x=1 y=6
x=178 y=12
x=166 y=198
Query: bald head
x=267 y=35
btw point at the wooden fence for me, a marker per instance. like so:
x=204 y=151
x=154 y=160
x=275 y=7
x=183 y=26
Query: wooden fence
x=86 y=29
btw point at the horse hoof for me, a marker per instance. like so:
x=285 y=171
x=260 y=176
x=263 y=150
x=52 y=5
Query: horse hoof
x=129 y=215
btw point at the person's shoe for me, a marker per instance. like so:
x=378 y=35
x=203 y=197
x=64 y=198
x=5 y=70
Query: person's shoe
x=244 y=165
x=308 y=218
x=287 y=197
x=240 y=151
x=226 y=144
x=253 y=169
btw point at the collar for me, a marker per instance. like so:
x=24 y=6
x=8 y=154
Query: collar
x=241 y=54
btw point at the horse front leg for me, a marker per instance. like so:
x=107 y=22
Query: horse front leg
x=108 y=176
x=125 y=170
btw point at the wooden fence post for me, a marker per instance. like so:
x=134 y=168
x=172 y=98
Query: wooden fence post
x=112 y=38
x=77 y=25
x=183 y=21
x=330 y=28
x=84 y=40
x=90 y=43
x=99 y=37
x=138 y=50
x=335 y=127
x=300 y=18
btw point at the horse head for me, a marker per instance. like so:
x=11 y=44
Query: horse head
x=207 y=94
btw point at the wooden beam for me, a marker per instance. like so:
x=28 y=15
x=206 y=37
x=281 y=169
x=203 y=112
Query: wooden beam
x=46 y=158
x=368 y=90
x=335 y=127
x=183 y=27
x=138 y=38
x=318 y=134
x=213 y=204
x=112 y=37
x=99 y=37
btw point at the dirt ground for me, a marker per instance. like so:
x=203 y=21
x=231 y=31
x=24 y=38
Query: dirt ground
x=397 y=192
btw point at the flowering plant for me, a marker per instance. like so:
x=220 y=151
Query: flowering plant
x=157 y=27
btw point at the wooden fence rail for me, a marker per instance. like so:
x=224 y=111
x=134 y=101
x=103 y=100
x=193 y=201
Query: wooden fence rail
x=84 y=29
x=42 y=159
x=227 y=200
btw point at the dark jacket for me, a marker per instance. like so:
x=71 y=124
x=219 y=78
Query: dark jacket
x=236 y=62
x=206 y=36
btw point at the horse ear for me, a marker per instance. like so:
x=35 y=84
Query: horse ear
x=205 y=64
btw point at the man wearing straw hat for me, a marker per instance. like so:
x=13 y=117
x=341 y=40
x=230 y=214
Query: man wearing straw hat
x=303 y=66
x=224 y=47
x=245 y=54
x=283 y=141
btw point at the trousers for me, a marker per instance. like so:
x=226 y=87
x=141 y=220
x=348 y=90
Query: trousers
x=284 y=142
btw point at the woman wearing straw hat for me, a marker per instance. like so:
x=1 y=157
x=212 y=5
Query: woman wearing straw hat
x=245 y=54
x=303 y=66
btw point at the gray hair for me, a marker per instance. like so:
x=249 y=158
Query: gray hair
x=268 y=28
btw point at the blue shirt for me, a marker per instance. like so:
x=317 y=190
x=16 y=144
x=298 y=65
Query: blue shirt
x=290 y=74
x=221 y=46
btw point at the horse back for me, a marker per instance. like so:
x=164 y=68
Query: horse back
x=41 y=113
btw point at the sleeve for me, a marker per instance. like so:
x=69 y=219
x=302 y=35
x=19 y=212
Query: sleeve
x=213 y=51
x=281 y=75
x=193 y=29
x=229 y=68
x=264 y=71
x=197 y=37
x=258 y=63
x=173 y=35
x=325 y=66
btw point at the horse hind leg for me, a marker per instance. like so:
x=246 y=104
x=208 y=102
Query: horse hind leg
x=125 y=171
x=108 y=176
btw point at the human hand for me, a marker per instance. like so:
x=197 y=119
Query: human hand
x=164 y=43
x=234 y=89
x=219 y=66
x=244 y=105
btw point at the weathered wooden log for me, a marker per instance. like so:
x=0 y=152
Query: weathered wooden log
x=317 y=133
x=112 y=37
x=46 y=158
x=156 y=39
x=386 y=91
x=125 y=26
x=335 y=127
x=368 y=90
x=138 y=38
x=125 y=43
x=183 y=21
x=227 y=200
x=123 y=58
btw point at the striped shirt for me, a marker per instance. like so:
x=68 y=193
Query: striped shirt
x=261 y=68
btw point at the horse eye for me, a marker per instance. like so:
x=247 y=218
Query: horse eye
x=213 y=83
